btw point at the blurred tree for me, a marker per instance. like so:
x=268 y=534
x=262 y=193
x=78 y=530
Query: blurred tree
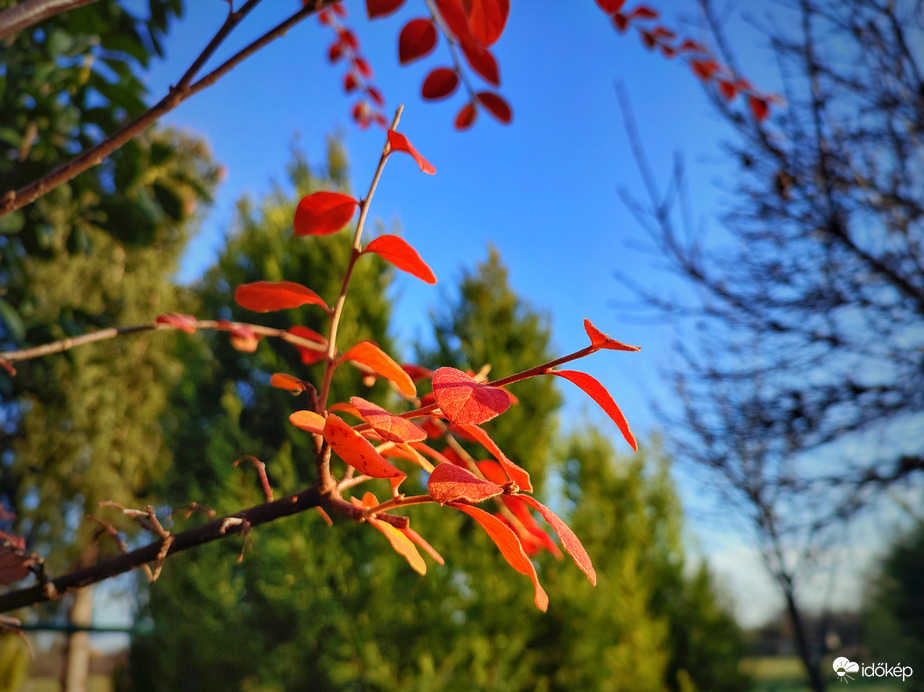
x=811 y=310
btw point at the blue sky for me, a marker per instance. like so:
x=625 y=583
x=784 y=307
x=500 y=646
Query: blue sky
x=543 y=190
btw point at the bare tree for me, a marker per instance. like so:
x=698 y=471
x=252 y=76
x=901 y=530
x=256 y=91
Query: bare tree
x=804 y=387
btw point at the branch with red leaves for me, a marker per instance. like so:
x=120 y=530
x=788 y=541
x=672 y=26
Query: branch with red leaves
x=185 y=88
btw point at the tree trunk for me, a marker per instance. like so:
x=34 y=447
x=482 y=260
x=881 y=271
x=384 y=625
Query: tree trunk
x=77 y=662
x=802 y=645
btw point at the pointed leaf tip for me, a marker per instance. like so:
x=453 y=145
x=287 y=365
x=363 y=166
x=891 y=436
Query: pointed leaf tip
x=569 y=540
x=601 y=340
x=399 y=142
x=401 y=254
x=266 y=296
x=368 y=354
x=323 y=213
x=356 y=451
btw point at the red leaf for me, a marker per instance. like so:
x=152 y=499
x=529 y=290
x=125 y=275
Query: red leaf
x=417 y=372
x=338 y=10
x=374 y=358
x=521 y=512
x=185 y=323
x=598 y=393
x=759 y=107
x=356 y=450
x=266 y=296
x=350 y=83
x=643 y=12
x=439 y=84
x=362 y=66
x=452 y=13
x=323 y=213
x=401 y=543
x=451 y=483
x=335 y=52
x=611 y=6
x=416 y=537
x=487 y=19
x=380 y=8
x=308 y=420
x=399 y=142
x=463 y=400
x=395 y=250
x=727 y=89
x=466 y=117
x=508 y=543
x=13 y=565
x=704 y=69
x=648 y=39
x=290 y=383
x=418 y=37
x=376 y=96
x=481 y=60
x=514 y=472
x=348 y=38
x=496 y=106
x=601 y=340
x=621 y=22
x=391 y=427
x=569 y=541
x=309 y=356
x=664 y=32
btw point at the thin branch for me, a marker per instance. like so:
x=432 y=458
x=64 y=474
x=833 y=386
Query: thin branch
x=29 y=12
x=17 y=199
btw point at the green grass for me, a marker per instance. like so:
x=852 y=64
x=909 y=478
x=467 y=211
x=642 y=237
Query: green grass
x=785 y=674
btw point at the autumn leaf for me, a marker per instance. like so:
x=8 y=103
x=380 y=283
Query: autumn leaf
x=356 y=450
x=451 y=483
x=643 y=12
x=440 y=83
x=569 y=541
x=391 y=427
x=611 y=6
x=399 y=253
x=487 y=19
x=520 y=511
x=309 y=356
x=418 y=539
x=516 y=473
x=185 y=323
x=374 y=358
x=380 y=8
x=598 y=393
x=507 y=542
x=600 y=340
x=308 y=420
x=323 y=213
x=481 y=60
x=12 y=564
x=465 y=401
x=496 y=106
x=466 y=116
x=759 y=107
x=266 y=296
x=417 y=39
x=454 y=16
x=401 y=543
x=290 y=383
x=399 y=142
x=243 y=338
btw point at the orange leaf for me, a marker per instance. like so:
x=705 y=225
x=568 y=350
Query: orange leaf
x=496 y=105
x=243 y=337
x=397 y=251
x=399 y=142
x=308 y=420
x=374 y=358
x=439 y=84
x=380 y=8
x=391 y=427
x=186 y=323
x=487 y=19
x=508 y=543
x=356 y=451
x=598 y=393
x=463 y=400
x=266 y=296
x=400 y=541
x=466 y=117
x=430 y=452
x=601 y=340
x=416 y=537
x=417 y=38
x=569 y=541
x=290 y=383
x=451 y=483
x=406 y=451
x=323 y=213
x=516 y=473
x=521 y=512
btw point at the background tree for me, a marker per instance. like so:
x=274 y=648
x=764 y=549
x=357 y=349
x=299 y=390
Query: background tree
x=803 y=389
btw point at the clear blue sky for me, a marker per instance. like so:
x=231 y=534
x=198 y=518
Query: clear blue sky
x=543 y=190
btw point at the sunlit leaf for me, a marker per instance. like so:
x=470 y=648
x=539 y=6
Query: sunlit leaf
x=323 y=213
x=569 y=541
x=451 y=483
x=356 y=450
x=374 y=358
x=309 y=356
x=400 y=541
x=391 y=427
x=418 y=539
x=465 y=401
x=440 y=83
x=601 y=340
x=454 y=16
x=290 y=383
x=417 y=39
x=397 y=251
x=266 y=296
x=598 y=393
x=516 y=473
x=507 y=542
x=308 y=420
x=487 y=19
x=399 y=142
x=520 y=511
x=481 y=60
